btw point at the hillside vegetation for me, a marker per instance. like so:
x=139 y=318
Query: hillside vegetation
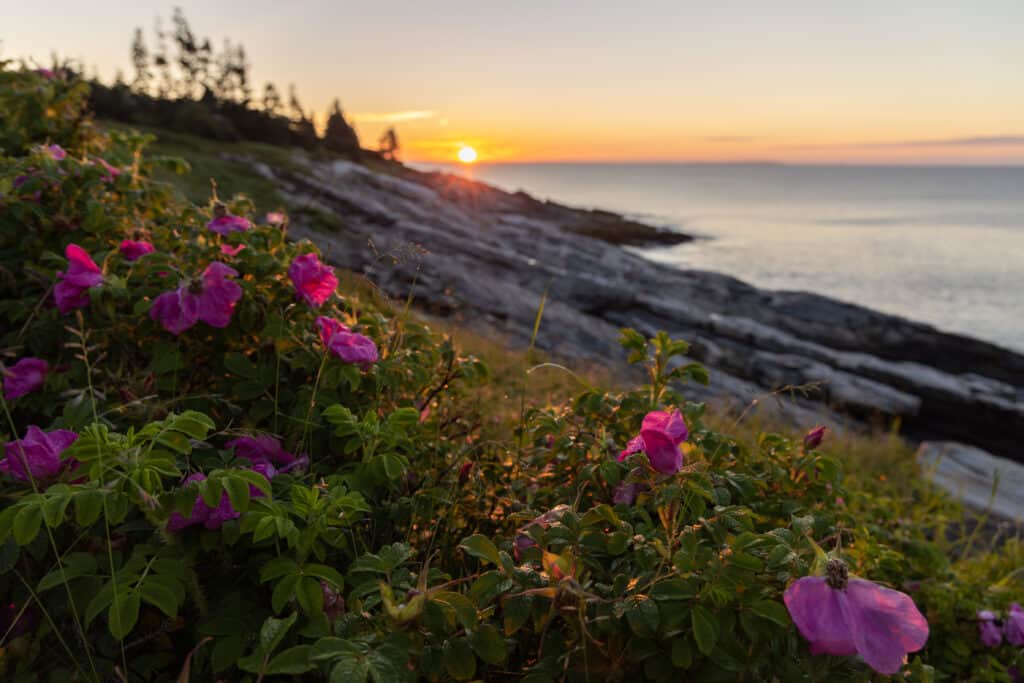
x=224 y=461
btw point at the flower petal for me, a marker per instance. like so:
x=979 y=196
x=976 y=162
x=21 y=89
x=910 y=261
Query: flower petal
x=819 y=612
x=885 y=625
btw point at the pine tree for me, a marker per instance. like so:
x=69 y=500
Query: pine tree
x=388 y=144
x=140 y=60
x=340 y=136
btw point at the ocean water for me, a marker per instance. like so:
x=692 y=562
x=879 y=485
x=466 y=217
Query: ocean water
x=941 y=245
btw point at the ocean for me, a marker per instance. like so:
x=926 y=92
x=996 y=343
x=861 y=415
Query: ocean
x=941 y=245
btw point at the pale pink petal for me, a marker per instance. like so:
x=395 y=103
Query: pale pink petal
x=885 y=625
x=818 y=612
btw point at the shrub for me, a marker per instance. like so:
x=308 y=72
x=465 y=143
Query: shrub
x=225 y=484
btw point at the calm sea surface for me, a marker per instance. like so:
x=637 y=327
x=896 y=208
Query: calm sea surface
x=936 y=244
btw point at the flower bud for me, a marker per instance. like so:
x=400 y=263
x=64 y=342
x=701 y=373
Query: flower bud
x=813 y=438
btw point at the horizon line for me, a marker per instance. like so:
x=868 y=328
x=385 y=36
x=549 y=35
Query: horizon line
x=690 y=162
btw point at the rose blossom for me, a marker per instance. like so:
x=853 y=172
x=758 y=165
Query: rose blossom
x=660 y=435
x=314 y=281
x=845 y=616
x=24 y=377
x=72 y=290
x=133 y=251
x=38 y=454
x=345 y=344
x=211 y=298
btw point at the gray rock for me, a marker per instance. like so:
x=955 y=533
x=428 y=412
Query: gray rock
x=486 y=258
x=980 y=480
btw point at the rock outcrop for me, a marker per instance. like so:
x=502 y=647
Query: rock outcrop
x=487 y=257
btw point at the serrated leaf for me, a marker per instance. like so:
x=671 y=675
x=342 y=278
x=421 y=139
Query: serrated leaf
x=488 y=644
x=294 y=660
x=274 y=630
x=482 y=548
x=123 y=614
x=772 y=611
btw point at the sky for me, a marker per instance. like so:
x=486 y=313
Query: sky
x=900 y=81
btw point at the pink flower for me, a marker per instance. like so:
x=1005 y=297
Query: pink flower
x=201 y=513
x=464 y=472
x=211 y=299
x=48 y=74
x=24 y=377
x=229 y=250
x=37 y=454
x=813 y=438
x=345 y=344
x=988 y=629
x=112 y=171
x=73 y=289
x=133 y=251
x=314 y=281
x=660 y=436
x=56 y=152
x=1014 y=625
x=261 y=449
x=843 y=616
x=276 y=217
x=226 y=223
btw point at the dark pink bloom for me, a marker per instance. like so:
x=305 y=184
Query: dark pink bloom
x=314 y=281
x=844 y=616
x=988 y=629
x=48 y=74
x=211 y=518
x=261 y=449
x=211 y=298
x=276 y=217
x=1014 y=625
x=73 y=289
x=222 y=225
x=56 y=152
x=813 y=438
x=464 y=472
x=111 y=171
x=229 y=250
x=660 y=435
x=24 y=377
x=38 y=454
x=345 y=344
x=133 y=250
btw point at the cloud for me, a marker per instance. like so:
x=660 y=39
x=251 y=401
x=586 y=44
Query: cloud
x=968 y=141
x=393 y=116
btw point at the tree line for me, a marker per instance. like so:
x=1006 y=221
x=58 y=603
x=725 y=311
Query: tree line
x=183 y=82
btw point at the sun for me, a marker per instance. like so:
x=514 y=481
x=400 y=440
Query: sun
x=467 y=154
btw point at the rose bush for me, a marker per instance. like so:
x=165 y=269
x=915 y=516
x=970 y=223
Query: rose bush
x=303 y=484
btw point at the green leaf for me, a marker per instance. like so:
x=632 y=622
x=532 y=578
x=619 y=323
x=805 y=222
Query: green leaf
x=26 y=523
x=274 y=630
x=238 y=364
x=160 y=596
x=294 y=660
x=238 y=493
x=310 y=596
x=284 y=591
x=460 y=604
x=488 y=644
x=74 y=565
x=58 y=497
x=123 y=614
x=226 y=652
x=278 y=567
x=705 y=629
x=772 y=611
x=328 y=574
x=352 y=669
x=459 y=659
x=482 y=548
